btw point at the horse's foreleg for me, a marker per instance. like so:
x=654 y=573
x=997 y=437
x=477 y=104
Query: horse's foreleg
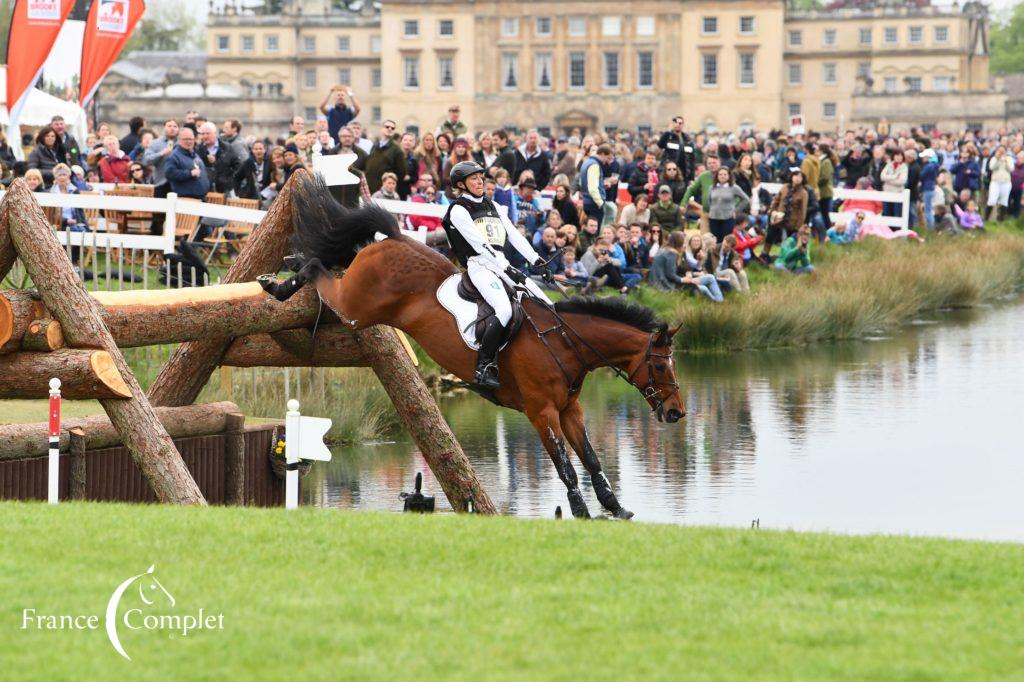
x=549 y=427
x=576 y=434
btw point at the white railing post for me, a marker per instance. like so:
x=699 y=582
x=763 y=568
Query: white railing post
x=906 y=210
x=53 y=464
x=291 y=455
x=170 y=222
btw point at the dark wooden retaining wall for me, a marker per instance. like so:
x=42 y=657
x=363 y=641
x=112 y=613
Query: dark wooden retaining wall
x=112 y=476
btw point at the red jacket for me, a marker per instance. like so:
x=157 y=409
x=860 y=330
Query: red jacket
x=115 y=170
x=744 y=241
x=429 y=222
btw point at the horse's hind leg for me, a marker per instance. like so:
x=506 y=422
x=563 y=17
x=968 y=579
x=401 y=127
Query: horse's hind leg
x=282 y=291
x=547 y=424
x=576 y=434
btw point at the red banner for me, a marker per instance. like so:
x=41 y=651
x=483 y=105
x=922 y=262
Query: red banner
x=107 y=29
x=35 y=25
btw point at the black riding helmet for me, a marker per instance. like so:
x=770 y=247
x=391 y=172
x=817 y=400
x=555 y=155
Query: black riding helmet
x=462 y=170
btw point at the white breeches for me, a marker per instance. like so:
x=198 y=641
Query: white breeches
x=488 y=283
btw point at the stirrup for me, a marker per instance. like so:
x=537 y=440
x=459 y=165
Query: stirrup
x=487 y=376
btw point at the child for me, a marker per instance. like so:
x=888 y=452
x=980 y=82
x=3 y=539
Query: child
x=969 y=218
x=573 y=273
x=854 y=227
x=505 y=195
x=837 y=234
x=944 y=221
x=747 y=237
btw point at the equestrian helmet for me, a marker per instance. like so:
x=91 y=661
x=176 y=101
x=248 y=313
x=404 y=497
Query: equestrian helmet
x=462 y=171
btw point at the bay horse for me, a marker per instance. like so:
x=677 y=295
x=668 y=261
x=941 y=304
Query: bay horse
x=394 y=282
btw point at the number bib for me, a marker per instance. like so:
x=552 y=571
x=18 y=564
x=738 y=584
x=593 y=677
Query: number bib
x=491 y=229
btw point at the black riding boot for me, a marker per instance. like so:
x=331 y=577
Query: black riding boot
x=282 y=291
x=486 y=368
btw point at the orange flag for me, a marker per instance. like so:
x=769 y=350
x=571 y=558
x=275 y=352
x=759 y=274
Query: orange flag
x=35 y=25
x=108 y=28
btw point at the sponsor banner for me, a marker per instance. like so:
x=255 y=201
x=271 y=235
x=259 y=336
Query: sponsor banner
x=107 y=30
x=35 y=25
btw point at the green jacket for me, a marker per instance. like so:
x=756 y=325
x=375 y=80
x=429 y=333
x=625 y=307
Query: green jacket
x=791 y=255
x=703 y=182
x=390 y=158
x=825 y=177
x=668 y=216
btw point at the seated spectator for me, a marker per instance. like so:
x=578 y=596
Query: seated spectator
x=837 y=234
x=554 y=221
x=528 y=211
x=34 y=180
x=598 y=262
x=795 y=256
x=71 y=218
x=427 y=196
x=637 y=212
x=746 y=236
x=854 y=226
x=673 y=179
x=587 y=237
x=389 y=190
x=637 y=249
x=656 y=239
x=115 y=163
x=547 y=249
x=563 y=204
x=618 y=256
x=504 y=195
x=666 y=212
x=867 y=205
x=571 y=237
x=137 y=174
x=969 y=217
x=944 y=221
x=146 y=137
x=78 y=179
x=693 y=270
x=571 y=271
x=46 y=154
x=730 y=266
x=664 y=273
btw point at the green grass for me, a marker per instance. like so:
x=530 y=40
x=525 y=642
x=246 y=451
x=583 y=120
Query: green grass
x=319 y=594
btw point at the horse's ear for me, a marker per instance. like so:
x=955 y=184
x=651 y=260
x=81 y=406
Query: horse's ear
x=151 y=568
x=673 y=332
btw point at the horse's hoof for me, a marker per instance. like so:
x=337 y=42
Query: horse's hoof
x=624 y=514
x=578 y=506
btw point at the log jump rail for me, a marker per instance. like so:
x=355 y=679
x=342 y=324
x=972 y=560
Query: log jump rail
x=59 y=329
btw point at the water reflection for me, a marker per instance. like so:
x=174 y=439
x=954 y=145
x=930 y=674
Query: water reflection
x=911 y=434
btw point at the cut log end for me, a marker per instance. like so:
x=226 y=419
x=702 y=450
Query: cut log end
x=6 y=321
x=106 y=371
x=43 y=336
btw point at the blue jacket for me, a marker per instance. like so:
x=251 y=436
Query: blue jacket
x=928 y=175
x=967 y=175
x=178 y=171
x=589 y=205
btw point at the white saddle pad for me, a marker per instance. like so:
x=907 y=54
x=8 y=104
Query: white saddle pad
x=463 y=311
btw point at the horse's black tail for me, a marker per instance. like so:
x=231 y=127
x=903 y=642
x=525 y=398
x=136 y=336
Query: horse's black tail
x=326 y=230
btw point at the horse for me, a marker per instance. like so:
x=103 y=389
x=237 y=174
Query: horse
x=394 y=280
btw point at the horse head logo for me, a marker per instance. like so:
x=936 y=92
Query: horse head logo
x=150 y=589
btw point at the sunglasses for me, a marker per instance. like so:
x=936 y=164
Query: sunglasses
x=389 y=127
x=136 y=170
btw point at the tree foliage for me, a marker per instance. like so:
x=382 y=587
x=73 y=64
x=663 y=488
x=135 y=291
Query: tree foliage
x=1007 y=41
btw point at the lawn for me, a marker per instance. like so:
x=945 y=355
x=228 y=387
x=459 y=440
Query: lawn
x=319 y=594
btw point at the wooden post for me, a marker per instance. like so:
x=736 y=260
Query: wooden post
x=191 y=363
x=422 y=418
x=234 y=460
x=62 y=292
x=7 y=253
x=77 y=478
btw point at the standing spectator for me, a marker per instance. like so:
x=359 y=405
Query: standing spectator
x=673 y=179
x=894 y=179
x=361 y=140
x=71 y=218
x=349 y=195
x=232 y=137
x=7 y=158
x=592 y=187
x=913 y=184
x=929 y=175
x=46 y=154
x=666 y=212
x=250 y=176
x=297 y=126
x=826 y=183
x=485 y=153
x=1017 y=185
x=564 y=160
x=70 y=152
x=679 y=148
x=340 y=114
x=506 y=155
x=155 y=157
x=811 y=166
x=726 y=199
x=185 y=170
x=386 y=157
x=876 y=166
x=146 y=137
x=1000 y=168
x=966 y=173
x=129 y=141
x=504 y=195
x=452 y=125
x=460 y=153
x=388 y=191
x=115 y=163
x=855 y=165
x=531 y=157
x=405 y=182
x=219 y=157
x=703 y=184
x=644 y=179
x=429 y=158
x=787 y=212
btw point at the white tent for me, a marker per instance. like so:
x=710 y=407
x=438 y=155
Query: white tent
x=38 y=110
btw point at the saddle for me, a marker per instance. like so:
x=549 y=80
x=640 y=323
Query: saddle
x=460 y=297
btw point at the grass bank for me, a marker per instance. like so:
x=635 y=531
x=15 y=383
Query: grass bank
x=856 y=291
x=376 y=596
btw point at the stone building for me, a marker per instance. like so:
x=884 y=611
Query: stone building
x=726 y=64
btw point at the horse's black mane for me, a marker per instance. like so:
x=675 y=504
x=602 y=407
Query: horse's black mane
x=616 y=308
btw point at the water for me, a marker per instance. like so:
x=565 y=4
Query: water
x=913 y=432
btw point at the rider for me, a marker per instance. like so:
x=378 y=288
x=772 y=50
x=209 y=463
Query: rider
x=477 y=232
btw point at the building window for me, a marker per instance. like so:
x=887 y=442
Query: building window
x=411 y=28
x=509 y=71
x=828 y=73
x=747 y=26
x=543 y=67
x=543 y=26
x=796 y=38
x=445 y=72
x=645 y=26
x=223 y=43
x=794 y=109
x=411 y=72
x=709 y=69
x=270 y=43
x=446 y=28
x=916 y=35
x=376 y=114
x=942 y=34
x=375 y=44
x=645 y=69
x=309 y=79
x=942 y=83
x=577 y=70
x=309 y=43
x=309 y=113
x=891 y=35
x=344 y=43
x=345 y=76
x=890 y=85
x=863 y=69
x=248 y=44
x=828 y=38
x=747 y=62
x=510 y=27
x=828 y=110
x=611 y=69
x=864 y=37
x=913 y=84
x=611 y=26
x=375 y=78
x=709 y=26
x=577 y=26
x=795 y=74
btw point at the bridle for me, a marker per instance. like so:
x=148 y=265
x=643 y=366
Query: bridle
x=650 y=391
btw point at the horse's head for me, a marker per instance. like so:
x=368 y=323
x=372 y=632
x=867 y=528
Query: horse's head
x=652 y=371
x=150 y=587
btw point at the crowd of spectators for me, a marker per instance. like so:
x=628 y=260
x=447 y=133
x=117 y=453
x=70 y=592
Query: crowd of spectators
x=675 y=209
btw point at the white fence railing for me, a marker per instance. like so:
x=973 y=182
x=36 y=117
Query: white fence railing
x=840 y=193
